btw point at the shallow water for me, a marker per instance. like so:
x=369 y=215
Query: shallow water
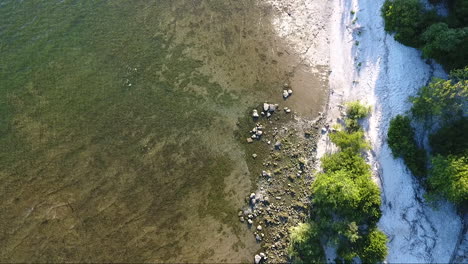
x=117 y=127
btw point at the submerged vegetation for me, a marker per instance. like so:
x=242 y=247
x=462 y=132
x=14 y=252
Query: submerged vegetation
x=345 y=202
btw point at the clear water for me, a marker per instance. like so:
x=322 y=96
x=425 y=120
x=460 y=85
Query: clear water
x=117 y=127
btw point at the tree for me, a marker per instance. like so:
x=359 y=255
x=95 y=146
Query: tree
x=446 y=45
x=450 y=139
x=407 y=19
x=440 y=98
x=449 y=178
x=402 y=142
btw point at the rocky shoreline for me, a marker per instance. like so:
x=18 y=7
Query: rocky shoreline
x=284 y=172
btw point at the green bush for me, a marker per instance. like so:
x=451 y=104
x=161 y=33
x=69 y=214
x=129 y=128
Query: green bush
x=449 y=178
x=446 y=45
x=375 y=247
x=408 y=20
x=450 y=139
x=305 y=244
x=345 y=160
x=353 y=142
x=354 y=112
x=440 y=98
x=401 y=140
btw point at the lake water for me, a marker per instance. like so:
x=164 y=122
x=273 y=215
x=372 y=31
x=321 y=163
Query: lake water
x=118 y=135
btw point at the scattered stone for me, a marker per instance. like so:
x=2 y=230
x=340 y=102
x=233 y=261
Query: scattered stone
x=242 y=219
x=255 y=113
x=258 y=238
x=278 y=198
x=262 y=113
x=252 y=195
x=268 y=142
x=265 y=107
x=266 y=174
x=286 y=85
x=249 y=140
x=249 y=221
x=268 y=114
x=259 y=133
x=278 y=145
x=257 y=259
x=288 y=111
x=290 y=92
x=272 y=108
x=324 y=130
x=285 y=94
x=254 y=156
x=254 y=136
x=263 y=255
x=259 y=228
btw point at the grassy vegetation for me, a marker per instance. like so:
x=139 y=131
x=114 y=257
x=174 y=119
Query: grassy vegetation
x=346 y=202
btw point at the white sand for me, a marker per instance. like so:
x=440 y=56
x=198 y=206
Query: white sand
x=372 y=67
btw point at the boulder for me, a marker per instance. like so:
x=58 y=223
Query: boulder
x=285 y=94
x=249 y=140
x=266 y=107
x=290 y=92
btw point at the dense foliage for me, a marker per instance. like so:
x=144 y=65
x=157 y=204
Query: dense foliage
x=402 y=142
x=305 y=244
x=449 y=178
x=441 y=38
x=346 y=202
x=450 y=139
x=440 y=98
x=442 y=103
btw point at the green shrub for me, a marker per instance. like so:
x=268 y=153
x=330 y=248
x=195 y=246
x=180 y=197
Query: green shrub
x=305 y=244
x=375 y=247
x=446 y=45
x=354 y=112
x=449 y=178
x=450 y=139
x=345 y=160
x=353 y=142
x=401 y=140
x=407 y=19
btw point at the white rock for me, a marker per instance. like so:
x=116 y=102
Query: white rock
x=252 y=195
x=249 y=221
x=258 y=259
x=259 y=133
x=266 y=107
x=288 y=111
x=285 y=94
x=259 y=228
x=289 y=91
x=268 y=114
x=255 y=113
x=272 y=108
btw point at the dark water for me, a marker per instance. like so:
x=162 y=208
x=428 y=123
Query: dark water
x=117 y=127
